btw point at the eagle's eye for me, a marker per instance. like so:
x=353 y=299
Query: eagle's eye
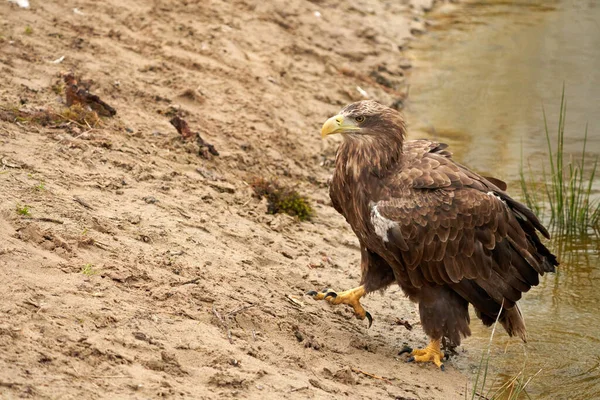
x=360 y=119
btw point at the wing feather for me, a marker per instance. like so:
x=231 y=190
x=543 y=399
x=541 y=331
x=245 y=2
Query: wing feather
x=452 y=225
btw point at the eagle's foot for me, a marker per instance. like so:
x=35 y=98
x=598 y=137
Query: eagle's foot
x=350 y=297
x=430 y=353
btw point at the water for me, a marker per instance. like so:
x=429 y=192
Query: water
x=479 y=82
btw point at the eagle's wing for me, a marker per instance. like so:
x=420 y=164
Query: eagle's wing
x=445 y=223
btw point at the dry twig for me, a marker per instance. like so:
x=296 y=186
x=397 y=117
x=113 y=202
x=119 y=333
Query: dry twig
x=358 y=371
x=223 y=323
x=224 y=320
x=191 y=281
x=45 y=219
x=298 y=389
x=101 y=245
x=239 y=310
x=82 y=202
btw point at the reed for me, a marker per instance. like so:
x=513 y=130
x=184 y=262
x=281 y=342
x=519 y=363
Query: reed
x=511 y=389
x=565 y=192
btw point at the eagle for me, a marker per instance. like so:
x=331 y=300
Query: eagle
x=446 y=235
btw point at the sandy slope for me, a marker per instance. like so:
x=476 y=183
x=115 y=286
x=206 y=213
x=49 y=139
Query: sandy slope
x=265 y=76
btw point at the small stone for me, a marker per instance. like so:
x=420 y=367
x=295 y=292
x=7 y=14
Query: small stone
x=287 y=255
x=299 y=336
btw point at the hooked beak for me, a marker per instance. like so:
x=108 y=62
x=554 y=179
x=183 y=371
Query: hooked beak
x=338 y=124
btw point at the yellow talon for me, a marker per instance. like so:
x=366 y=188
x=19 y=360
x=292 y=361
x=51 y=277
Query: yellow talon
x=430 y=353
x=350 y=297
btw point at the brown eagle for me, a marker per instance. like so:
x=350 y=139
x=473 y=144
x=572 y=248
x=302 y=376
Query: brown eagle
x=447 y=235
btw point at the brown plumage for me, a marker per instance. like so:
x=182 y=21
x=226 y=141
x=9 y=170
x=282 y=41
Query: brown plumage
x=447 y=235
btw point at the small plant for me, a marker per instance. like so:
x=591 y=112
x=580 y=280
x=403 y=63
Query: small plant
x=513 y=389
x=58 y=88
x=88 y=269
x=23 y=210
x=282 y=199
x=28 y=30
x=567 y=190
x=81 y=115
x=40 y=186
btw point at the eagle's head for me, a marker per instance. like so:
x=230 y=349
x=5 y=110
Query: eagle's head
x=366 y=118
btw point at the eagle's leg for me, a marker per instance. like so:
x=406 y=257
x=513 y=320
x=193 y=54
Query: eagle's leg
x=430 y=353
x=350 y=297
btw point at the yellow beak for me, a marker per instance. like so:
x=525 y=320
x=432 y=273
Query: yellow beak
x=338 y=124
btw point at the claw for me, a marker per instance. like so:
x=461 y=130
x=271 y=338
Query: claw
x=350 y=297
x=368 y=315
x=405 y=349
x=410 y=359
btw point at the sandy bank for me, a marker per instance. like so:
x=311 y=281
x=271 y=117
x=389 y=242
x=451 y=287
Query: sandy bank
x=167 y=278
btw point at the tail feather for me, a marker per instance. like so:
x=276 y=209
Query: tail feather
x=513 y=322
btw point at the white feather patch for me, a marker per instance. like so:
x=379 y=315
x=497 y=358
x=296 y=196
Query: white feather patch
x=381 y=224
x=490 y=193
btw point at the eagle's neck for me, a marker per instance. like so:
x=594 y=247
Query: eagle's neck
x=360 y=156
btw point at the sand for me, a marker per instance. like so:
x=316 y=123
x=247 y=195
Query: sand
x=146 y=270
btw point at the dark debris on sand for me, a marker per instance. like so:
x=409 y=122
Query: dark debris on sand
x=79 y=94
x=186 y=133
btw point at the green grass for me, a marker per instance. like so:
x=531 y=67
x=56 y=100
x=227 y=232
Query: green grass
x=281 y=199
x=23 y=210
x=564 y=194
x=88 y=269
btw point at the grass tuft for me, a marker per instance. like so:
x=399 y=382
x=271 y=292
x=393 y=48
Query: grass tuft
x=282 y=199
x=58 y=88
x=76 y=114
x=512 y=389
x=40 y=187
x=88 y=269
x=23 y=210
x=81 y=115
x=564 y=194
